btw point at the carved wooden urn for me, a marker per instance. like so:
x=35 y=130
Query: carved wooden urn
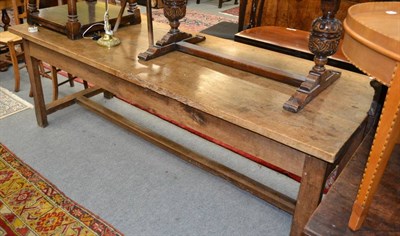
x=174 y=10
x=325 y=34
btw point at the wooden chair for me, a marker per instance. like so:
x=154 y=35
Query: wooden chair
x=51 y=72
x=13 y=43
x=284 y=26
x=15 y=51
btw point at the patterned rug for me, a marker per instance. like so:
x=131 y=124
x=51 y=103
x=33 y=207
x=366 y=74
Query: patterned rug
x=233 y=11
x=11 y=103
x=30 y=205
x=194 y=21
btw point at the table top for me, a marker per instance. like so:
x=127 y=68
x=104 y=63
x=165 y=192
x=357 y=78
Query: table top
x=249 y=101
x=377 y=22
x=372 y=30
x=88 y=13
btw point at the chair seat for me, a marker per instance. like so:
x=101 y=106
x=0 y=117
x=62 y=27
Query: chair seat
x=289 y=41
x=6 y=36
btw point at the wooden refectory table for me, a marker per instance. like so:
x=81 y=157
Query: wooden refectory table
x=240 y=109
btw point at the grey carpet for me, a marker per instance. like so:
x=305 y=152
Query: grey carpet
x=226 y=30
x=137 y=187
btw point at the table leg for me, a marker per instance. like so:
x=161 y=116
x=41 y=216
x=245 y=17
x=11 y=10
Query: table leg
x=386 y=137
x=32 y=65
x=14 y=60
x=325 y=35
x=310 y=193
x=73 y=25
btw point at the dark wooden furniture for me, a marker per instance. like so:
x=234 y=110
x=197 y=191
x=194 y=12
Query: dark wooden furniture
x=333 y=214
x=76 y=17
x=286 y=13
x=372 y=42
x=51 y=3
x=204 y=96
x=274 y=25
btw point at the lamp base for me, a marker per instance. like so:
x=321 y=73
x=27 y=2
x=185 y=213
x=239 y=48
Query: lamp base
x=108 y=41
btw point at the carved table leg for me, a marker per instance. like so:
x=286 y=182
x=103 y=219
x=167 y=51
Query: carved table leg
x=73 y=25
x=32 y=10
x=132 y=5
x=324 y=41
x=174 y=10
x=134 y=9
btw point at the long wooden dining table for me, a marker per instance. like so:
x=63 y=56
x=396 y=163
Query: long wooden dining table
x=239 y=109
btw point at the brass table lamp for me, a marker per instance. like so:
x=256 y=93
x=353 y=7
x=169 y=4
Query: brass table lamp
x=108 y=40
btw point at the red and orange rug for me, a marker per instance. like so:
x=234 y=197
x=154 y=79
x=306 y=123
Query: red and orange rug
x=31 y=205
x=194 y=21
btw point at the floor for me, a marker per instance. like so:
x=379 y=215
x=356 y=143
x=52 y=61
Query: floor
x=211 y=7
x=208 y=6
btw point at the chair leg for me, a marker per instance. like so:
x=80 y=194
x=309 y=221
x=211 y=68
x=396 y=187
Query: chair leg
x=54 y=79
x=14 y=60
x=197 y=1
x=41 y=69
x=71 y=80
x=220 y=3
x=85 y=84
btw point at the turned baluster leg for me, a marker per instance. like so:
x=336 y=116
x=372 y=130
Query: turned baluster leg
x=174 y=10
x=134 y=9
x=325 y=35
x=324 y=41
x=132 y=5
x=73 y=25
x=32 y=11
